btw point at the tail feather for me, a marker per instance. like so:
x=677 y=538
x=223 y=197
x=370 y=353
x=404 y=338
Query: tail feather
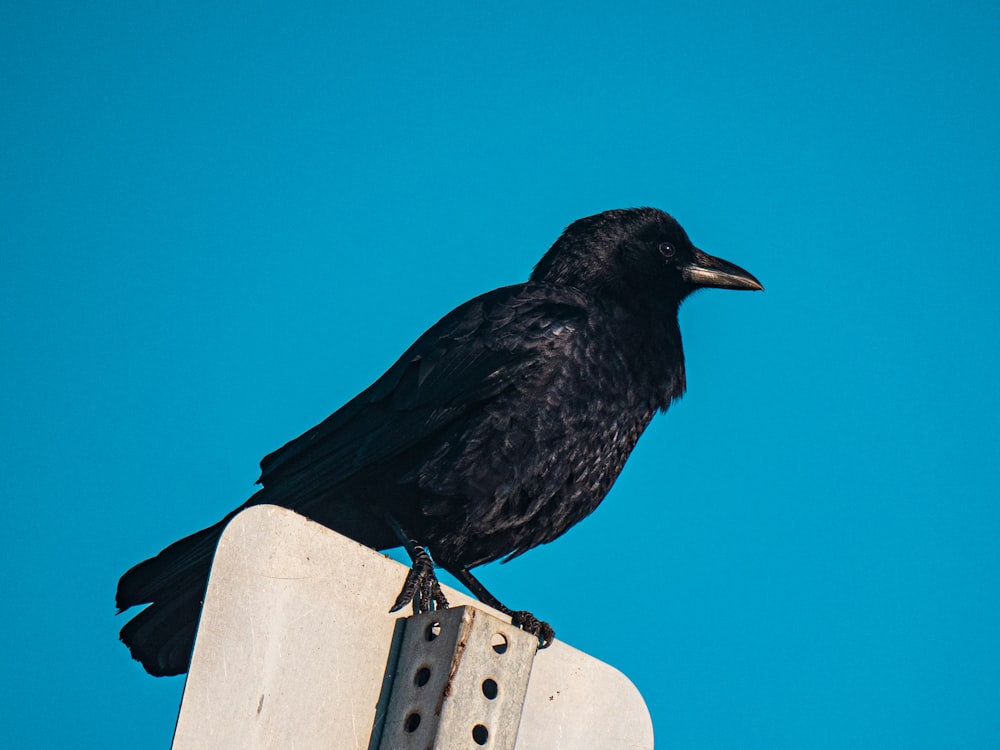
x=173 y=583
x=161 y=636
x=175 y=568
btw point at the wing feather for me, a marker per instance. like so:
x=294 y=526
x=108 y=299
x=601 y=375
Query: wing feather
x=439 y=384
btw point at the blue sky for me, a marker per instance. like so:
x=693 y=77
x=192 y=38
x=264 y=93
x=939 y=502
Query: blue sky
x=218 y=224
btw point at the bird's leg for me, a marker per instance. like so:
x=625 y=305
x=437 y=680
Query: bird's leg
x=519 y=617
x=421 y=585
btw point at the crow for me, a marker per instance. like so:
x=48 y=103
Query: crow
x=502 y=426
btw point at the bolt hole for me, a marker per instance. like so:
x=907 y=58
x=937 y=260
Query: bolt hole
x=480 y=734
x=490 y=688
x=433 y=630
x=412 y=722
x=421 y=677
x=499 y=643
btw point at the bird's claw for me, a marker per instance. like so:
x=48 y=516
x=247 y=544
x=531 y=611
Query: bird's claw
x=531 y=624
x=421 y=586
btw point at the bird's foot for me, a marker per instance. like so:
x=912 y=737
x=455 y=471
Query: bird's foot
x=421 y=586
x=531 y=624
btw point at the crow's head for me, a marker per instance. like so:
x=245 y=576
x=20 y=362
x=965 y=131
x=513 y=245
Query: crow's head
x=638 y=256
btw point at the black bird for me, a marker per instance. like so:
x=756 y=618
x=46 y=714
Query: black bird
x=500 y=428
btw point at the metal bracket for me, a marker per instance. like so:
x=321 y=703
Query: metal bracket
x=460 y=682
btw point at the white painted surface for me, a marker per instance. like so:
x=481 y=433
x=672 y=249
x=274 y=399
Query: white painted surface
x=295 y=641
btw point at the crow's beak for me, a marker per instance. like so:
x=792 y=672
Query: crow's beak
x=705 y=270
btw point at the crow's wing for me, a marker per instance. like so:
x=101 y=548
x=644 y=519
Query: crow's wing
x=443 y=382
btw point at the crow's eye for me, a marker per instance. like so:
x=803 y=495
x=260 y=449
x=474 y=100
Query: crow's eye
x=667 y=250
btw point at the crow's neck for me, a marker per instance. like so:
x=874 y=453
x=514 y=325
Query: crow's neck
x=650 y=340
